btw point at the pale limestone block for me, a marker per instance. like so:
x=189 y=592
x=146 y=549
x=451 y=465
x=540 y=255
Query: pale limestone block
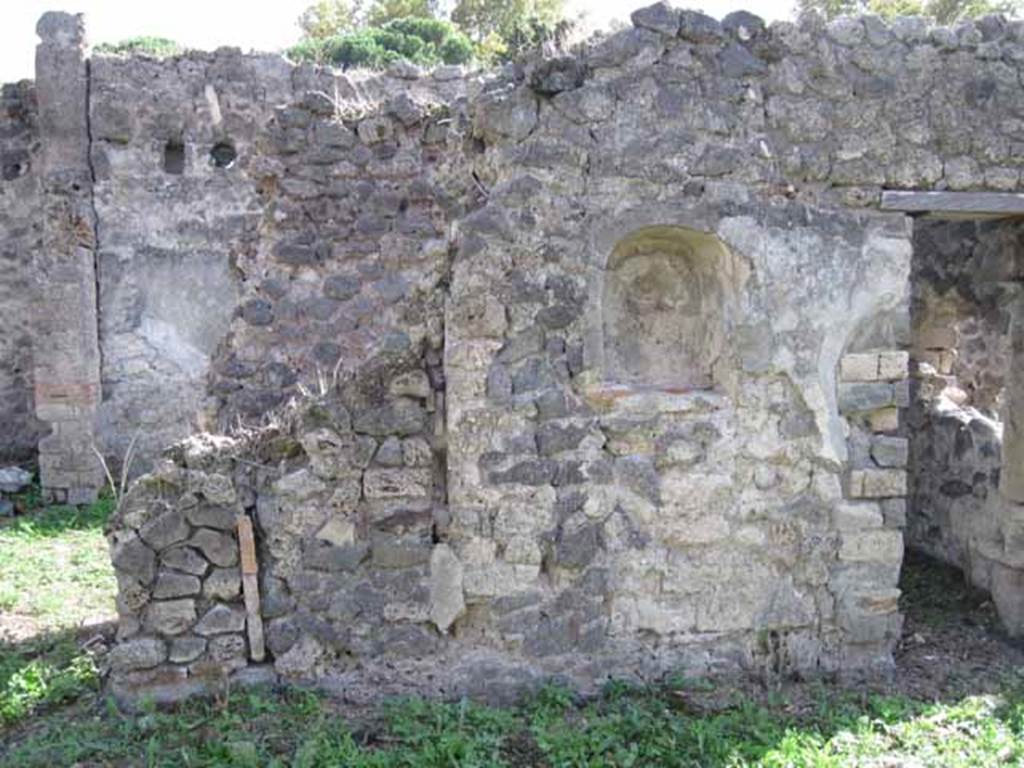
x=877 y=483
x=861 y=366
x=871 y=546
x=397 y=483
x=894 y=365
x=337 y=531
x=857 y=517
x=884 y=420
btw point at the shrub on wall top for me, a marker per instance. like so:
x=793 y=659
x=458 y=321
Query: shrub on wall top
x=421 y=41
x=153 y=46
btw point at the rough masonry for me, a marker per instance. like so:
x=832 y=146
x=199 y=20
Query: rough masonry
x=595 y=365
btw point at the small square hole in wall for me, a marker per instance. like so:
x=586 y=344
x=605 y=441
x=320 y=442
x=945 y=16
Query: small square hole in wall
x=174 y=158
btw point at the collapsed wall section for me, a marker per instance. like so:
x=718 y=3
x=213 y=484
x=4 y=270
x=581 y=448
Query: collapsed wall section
x=19 y=238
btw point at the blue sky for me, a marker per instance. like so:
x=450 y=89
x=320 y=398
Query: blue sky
x=249 y=25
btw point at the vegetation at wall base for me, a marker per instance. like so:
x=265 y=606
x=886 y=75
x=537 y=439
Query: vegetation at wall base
x=53 y=712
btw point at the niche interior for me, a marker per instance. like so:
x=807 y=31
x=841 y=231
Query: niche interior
x=666 y=301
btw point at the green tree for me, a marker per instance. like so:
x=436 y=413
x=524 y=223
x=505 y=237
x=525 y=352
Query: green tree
x=943 y=11
x=505 y=27
x=420 y=40
x=326 y=18
x=383 y=11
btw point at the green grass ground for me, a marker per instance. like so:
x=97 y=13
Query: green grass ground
x=957 y=700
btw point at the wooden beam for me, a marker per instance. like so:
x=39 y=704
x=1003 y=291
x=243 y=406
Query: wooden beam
x=250 y=587
x=958 y=204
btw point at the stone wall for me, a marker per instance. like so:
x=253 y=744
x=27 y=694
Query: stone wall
x=966 y=276
x=598 y=360
x=19 y=237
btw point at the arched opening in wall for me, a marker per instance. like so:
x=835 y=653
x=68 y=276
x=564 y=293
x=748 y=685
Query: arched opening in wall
x=174 y=157
x=666 y=296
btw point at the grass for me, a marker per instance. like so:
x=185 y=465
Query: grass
x=55 y=566
x=52 y=713
x=629 y=727
x=55 y=573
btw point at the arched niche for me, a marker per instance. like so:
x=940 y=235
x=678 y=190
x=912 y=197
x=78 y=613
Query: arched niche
x=666 y=303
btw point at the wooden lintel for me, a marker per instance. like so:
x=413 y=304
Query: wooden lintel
x=955 y=204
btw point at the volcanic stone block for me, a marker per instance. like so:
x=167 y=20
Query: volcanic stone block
x=172 y=584
x=223 y=584
x=219 y=548
x=170 y=617
x=167 y=529
x=133 y=558
x=184 y=559
x=186 y=649
x=210 y=516
x=220 y=619
x=139 y=653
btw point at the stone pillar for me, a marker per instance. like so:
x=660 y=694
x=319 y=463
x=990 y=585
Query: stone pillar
x=1007 y=576
x=67 y=358
x=1011 y=478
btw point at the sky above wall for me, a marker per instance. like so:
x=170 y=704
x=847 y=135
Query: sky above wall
x=270 y=26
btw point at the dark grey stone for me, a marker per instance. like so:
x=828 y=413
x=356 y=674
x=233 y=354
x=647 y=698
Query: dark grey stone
x=389 y=454
x=499 y=384
x=743 y=25
x=554 y=438
x=660 y=17
x=402 y=417
x=737 y=61
x=281 y=635
x=531 y=472
x=223 y=584
x=170 y=617
x=138 y=653
x=578 y=548
x=389 y=552
x=217 y=547
x=889 y=451
x=173 y=584
x=552 y=76
x=325 y=557
x=209 y=516
x=220 y=619
x=186 y=649
x=135 y=559
x=184 y=559
x=698 y=27
x=870 y=396
x=167 y=529
x=258 y=312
